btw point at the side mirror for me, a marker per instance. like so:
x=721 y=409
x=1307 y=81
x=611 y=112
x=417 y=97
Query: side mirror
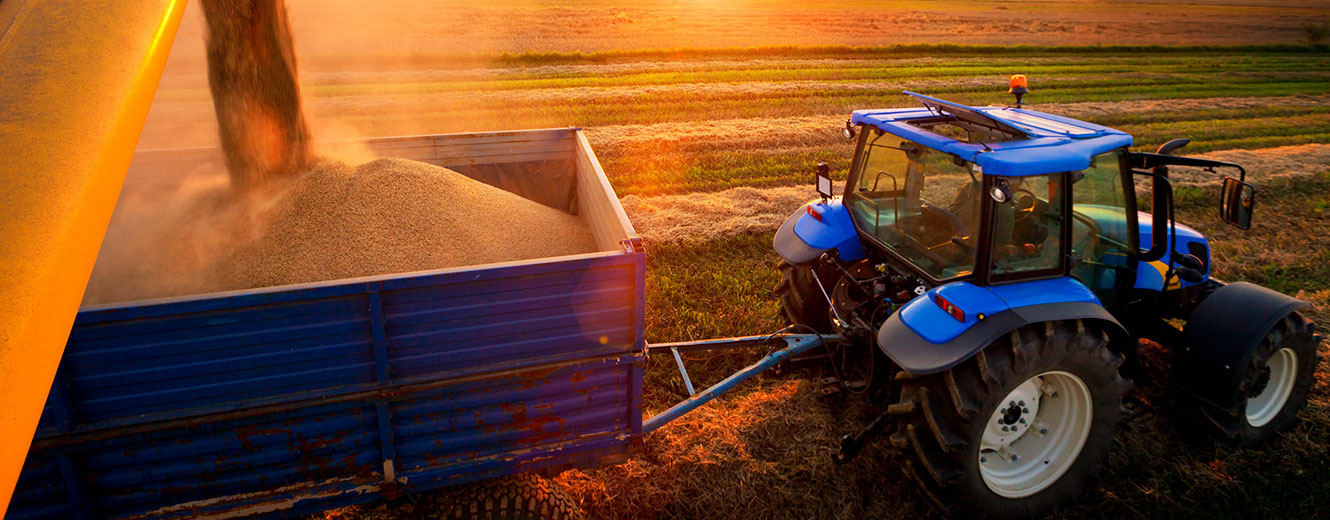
x=824 y=180
x=1237 y=202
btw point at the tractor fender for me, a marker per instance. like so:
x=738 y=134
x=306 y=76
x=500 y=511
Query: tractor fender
x=921 y=338
x=805 y=236
x=1221 y=335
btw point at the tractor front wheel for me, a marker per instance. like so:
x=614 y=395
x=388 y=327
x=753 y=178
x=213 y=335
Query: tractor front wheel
x=1017 y=430
x=1272 y=388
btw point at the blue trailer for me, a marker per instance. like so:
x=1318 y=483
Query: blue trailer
x=289 y=400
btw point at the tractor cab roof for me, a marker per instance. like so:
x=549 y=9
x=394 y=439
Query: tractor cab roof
x=1001 y=140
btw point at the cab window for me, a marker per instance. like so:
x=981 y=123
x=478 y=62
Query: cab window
x=1027 y=228
x=920 y=203
x=1101 y=233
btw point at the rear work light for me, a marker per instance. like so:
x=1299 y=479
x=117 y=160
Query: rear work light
x=947 y=307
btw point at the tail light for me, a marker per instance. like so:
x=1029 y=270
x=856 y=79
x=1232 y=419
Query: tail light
x=949 y=308
x=813 y=212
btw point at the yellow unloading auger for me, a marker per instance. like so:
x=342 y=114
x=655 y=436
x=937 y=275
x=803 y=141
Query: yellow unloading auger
x=75 y=85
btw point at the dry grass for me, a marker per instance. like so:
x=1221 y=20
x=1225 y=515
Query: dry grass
x=709 y=216
x=1265 y=165
x=765 y=454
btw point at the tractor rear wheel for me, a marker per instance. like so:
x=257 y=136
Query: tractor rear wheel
x=1273 y=387
x=1017 y=430
x=801 y=300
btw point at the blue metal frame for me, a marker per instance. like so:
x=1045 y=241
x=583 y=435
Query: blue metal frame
x=795 y=344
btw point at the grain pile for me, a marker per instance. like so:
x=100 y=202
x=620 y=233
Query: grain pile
x=332 y=222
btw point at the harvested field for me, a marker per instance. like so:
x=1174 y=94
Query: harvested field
x=332 y=222
x=708 y=216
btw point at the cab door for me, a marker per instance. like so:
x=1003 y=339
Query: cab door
x=1104 y=234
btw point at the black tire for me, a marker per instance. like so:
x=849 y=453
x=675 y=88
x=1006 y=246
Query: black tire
x=1229 y=421
x=516 y=497
x=801 y=300
x=942 y=417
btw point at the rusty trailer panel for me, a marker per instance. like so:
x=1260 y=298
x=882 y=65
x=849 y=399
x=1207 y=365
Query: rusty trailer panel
x=284 y=401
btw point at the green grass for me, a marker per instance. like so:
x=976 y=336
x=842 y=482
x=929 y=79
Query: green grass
x=1289 y=220
x=715 y=289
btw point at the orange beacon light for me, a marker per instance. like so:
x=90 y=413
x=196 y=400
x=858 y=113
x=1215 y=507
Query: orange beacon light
x=1019 y=86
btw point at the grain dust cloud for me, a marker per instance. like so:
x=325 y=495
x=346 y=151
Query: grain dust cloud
x=288 y=210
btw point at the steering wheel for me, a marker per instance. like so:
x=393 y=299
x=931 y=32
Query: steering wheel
x=1024 y=213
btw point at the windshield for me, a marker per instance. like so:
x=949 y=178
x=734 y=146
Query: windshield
x=921 y=203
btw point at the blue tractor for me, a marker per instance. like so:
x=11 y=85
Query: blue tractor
x=992 y=271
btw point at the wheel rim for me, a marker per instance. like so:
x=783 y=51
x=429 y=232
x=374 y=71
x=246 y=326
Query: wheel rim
x=1035 y=435
x=1269 y=401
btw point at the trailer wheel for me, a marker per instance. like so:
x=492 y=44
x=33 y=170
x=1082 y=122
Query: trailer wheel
x=516 y=497
x=1273 y=387
x=1017 y=430
x=801 y=300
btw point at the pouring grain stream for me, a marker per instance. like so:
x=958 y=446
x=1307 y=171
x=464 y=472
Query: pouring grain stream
x=252 y=75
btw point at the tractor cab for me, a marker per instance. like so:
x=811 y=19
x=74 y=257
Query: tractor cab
x=996 y=195
x=984 y=194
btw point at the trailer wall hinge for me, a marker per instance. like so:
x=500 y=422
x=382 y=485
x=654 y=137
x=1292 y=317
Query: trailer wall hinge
x=633 y=245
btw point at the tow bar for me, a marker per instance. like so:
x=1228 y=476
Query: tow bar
x=793 y=345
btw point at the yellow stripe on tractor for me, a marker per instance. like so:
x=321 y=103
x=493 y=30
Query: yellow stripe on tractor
x=76 y=80
x=1173 y=282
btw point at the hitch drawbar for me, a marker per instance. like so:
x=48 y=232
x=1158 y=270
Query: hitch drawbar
x=782 y=348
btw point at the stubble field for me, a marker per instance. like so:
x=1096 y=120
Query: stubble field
x=709 y=118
